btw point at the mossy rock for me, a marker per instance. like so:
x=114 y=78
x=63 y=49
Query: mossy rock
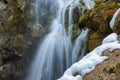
x=83 y=19
x=98 y=19
x=95 y=40
x=76 y=32
x=99 y=5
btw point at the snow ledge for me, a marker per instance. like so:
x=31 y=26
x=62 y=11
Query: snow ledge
x=88 y=62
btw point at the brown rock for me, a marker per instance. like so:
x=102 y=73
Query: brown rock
x=108 y=70
x=95 y=40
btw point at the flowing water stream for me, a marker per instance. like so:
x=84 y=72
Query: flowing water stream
x=55 y=53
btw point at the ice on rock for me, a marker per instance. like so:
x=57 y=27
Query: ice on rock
x=88 y=62
x=112 y=22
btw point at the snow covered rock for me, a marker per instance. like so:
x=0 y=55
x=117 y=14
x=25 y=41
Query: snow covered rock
x=88 y=62
x=111 y=38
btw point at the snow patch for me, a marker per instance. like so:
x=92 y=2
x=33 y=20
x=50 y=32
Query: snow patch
x=111 y=38
x=112 y=22
x=88 y=63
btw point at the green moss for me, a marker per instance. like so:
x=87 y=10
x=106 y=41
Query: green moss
x=76 y=32
x=105 y=6
x=83 y=18
x=99 y=5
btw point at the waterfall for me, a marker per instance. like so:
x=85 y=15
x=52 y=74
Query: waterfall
x=80 y=46
x=43 y=12
x=54 y=55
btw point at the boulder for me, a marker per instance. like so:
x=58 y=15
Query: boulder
x=108 y=70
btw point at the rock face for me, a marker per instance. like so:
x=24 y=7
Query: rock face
x=17 y=39
x=20 y=36
x=98 y=21
x=108 y=70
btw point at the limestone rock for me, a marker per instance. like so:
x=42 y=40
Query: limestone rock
x=108 y=70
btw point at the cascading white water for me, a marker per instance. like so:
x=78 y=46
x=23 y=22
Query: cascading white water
x=44 y=11
x=51 y=56
x=54 y=55
x=80 y=46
